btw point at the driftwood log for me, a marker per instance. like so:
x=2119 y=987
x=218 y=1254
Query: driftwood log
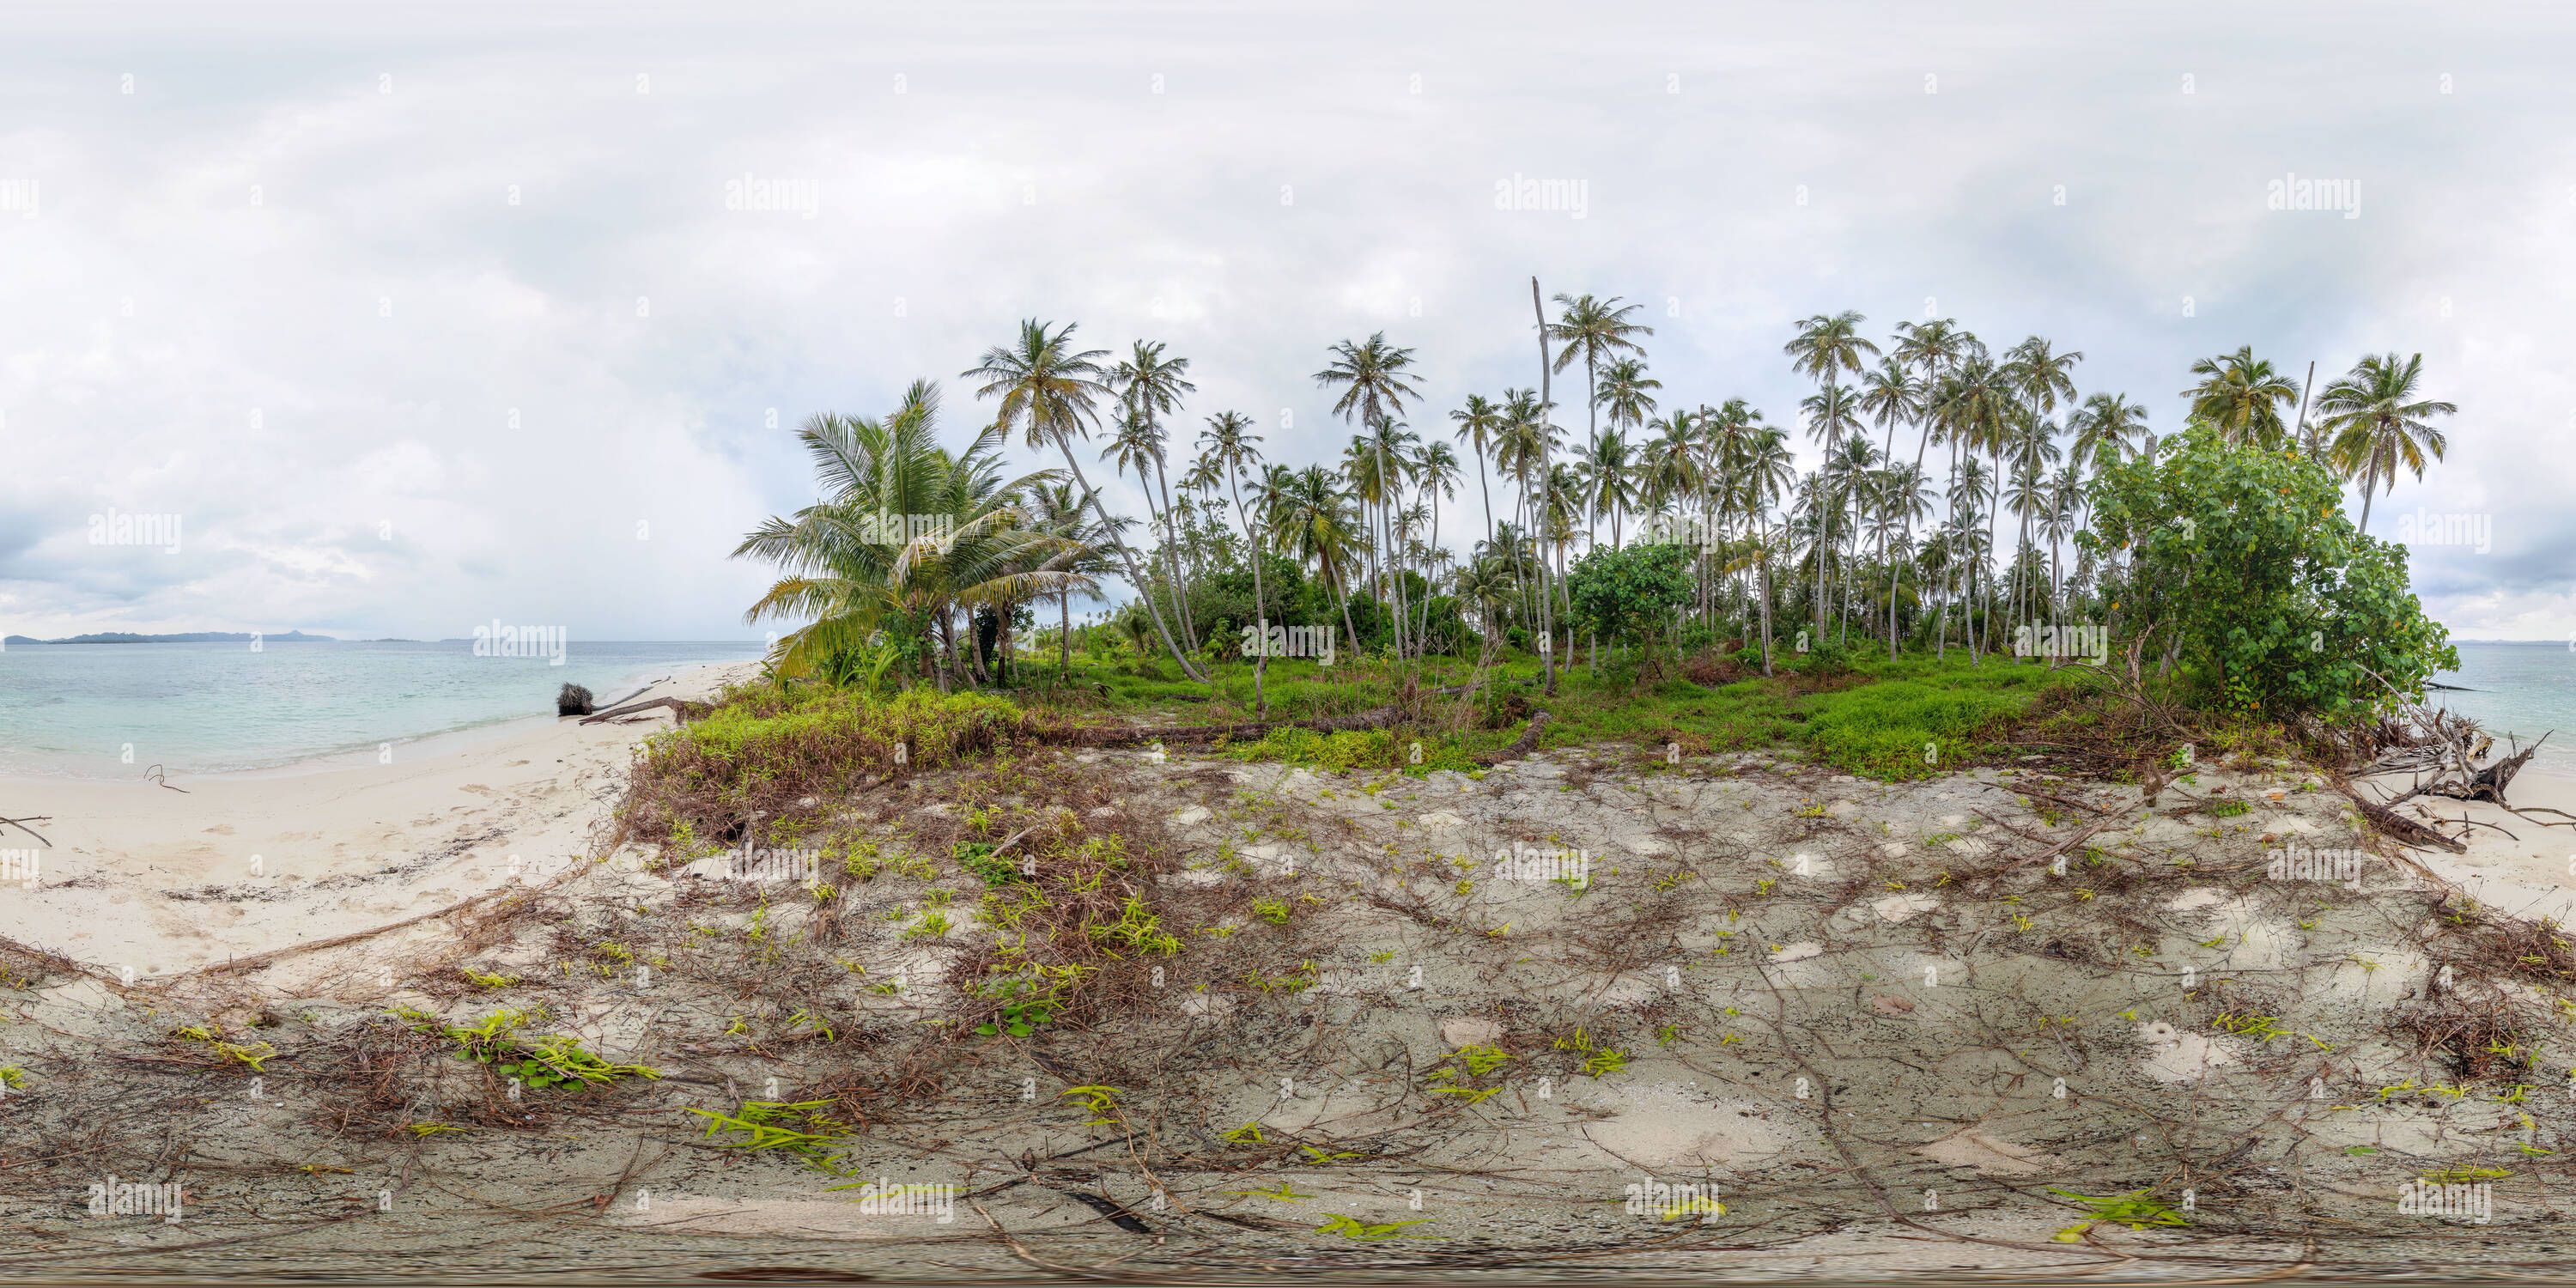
x=2488 y=784
x=682 y=708
x=2405 y=831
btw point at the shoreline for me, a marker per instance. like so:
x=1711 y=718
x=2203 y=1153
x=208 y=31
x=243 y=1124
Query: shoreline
x=434 y=742
x=223 y=866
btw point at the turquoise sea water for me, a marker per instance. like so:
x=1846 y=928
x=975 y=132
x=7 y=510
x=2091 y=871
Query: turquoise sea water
x=70 y=709
x=2522 y=689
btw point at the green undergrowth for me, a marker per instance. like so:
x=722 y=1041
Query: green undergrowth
x=764 y=749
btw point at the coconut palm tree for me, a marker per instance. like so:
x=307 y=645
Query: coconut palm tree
x=1627 y=395
x=1435 y=473
x=1046 y=387
x=1480 y=423
x=1892 y=393
x=1831 y=412
x=1312 y=518
x=851 y=564
x=1606 y=477
x=1593 y=329
x=2103 y=428
x=1764 y=474
x=2379 y=424
x=1151 y=386
x=1375 y=379
x=1826 y=348
x=1228 y=444
x=2243 y=397
x=1054 y=509
x=1527 y=451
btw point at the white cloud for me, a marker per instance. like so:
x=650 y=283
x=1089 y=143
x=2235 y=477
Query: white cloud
x=1158 y=215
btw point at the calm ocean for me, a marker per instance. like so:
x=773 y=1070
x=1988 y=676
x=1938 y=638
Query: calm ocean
x=2523 y=689
x=70 y=709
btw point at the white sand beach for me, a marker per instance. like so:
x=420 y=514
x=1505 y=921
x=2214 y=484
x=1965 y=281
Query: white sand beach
x=2518 y=865
x=213 y=868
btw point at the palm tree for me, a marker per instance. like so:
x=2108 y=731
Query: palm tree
x=1766 y=472
x=1480 y=423
x=1152 y=385
x=1825 y=348
x=2103 y=428
x=1975 y=405
x=1594 y=329
x=2242 y=396
x=1047 y=387
x=849 y=571
x=1891 y=394
x=2376 y=426
x=1055 y=510
x=1374 y=378
x=1310 y=516
x=1627 y=394
x=2034 y=449
x=1831 y=412
x=1435 y=471
x=1229 y=446
x=1527 y=449
x=1607 y=481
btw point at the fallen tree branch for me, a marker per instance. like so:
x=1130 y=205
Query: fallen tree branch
x=21 y=825
x=1520 y=746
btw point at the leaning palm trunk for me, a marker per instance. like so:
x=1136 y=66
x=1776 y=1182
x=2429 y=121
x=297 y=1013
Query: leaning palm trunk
x=1144 y=588
x=1172 y=541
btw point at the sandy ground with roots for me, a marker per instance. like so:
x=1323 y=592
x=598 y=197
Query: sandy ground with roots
x=1595 y=1013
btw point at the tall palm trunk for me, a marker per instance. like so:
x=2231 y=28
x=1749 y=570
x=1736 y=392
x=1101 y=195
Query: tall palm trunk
x=1333 y=570
x=1171 y=539
x=1547 y=656
x=1260 y=602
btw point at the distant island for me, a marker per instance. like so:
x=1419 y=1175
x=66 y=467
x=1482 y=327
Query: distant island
x=188 y=637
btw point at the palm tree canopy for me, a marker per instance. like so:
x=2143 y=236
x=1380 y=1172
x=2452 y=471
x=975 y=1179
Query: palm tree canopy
x=2242 y=395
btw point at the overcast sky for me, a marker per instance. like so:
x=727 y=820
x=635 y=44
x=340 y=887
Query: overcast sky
x=309 y=276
